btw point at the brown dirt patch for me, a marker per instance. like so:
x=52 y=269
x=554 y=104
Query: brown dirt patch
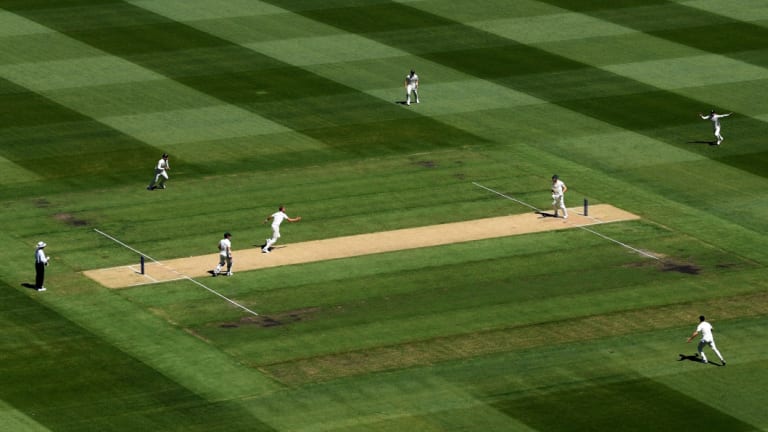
x=70 y=219
x=273 y=320
x=357 y=245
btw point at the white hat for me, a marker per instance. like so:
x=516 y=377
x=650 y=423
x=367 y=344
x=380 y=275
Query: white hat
x=41 y=244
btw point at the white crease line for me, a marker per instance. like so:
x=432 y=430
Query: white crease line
x=183 y=276
x=584 y=227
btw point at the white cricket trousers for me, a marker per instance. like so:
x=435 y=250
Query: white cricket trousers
x=711 y=344
x=558 y=202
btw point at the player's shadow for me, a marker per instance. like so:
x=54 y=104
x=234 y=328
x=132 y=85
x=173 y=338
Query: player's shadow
x=545 y=214
x=29 y=285
x=401 y=102
x=712 y=143
x=694 y=358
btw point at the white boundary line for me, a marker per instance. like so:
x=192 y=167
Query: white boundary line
x=584 y=227
x=183 y=276
x=506 y=196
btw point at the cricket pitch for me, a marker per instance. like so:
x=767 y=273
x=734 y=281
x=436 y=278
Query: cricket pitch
x=351 y=246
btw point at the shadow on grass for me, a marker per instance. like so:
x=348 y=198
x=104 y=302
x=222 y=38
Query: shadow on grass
x=712 y=143
x=694 y=358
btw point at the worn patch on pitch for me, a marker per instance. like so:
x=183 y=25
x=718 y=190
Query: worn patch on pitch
x=273 y=320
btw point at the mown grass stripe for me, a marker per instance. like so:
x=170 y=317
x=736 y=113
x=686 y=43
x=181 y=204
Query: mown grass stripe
x=422 y=353
x=509 y=63
x=110 y=388
x=86 y=148
x=160 y=46
x=676 y=22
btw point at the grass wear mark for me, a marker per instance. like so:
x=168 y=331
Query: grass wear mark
x=70 y=219
x=274 y=320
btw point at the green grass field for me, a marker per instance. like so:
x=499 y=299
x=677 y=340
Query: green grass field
x=299 y=102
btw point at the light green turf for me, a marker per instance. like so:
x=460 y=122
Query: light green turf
x=11 y=173
x=199 y=124
x=620 y=49
x=81 y=72
x=294 y=102
x=328 y=49
x=554 y=27
x=690 y=71
x=43 y=47
x=747 y=10
x=14 y=25
x=191 y=10
x=736 y=96
x=12 y=419
x=468 y=11
x=132 y=98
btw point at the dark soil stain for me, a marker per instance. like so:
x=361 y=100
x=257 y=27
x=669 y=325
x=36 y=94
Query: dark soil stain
x=70 y=219
x=274 y=320
x=681 y=268
x=427 y=164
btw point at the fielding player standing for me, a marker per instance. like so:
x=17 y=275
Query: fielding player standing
x=161 y=173
x=277 y=218
x=715 y=119
x=705 y=329
x=225 y=254
x=411 y=86
x=558 y=195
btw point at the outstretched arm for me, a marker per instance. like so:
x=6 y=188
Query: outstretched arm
x=695 y=333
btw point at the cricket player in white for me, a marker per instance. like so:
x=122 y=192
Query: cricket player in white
x=411 y=86
x=161 y=173
x=225 y=254
x=715 y=119
x=558 y=195
x=705 y=329
x=277 y=218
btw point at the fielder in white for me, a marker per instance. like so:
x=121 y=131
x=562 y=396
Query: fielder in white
x=161 y=173
x=277 y=218
x=715 y=119
x=225 y=254
x=705 y=329
x=558 y=195
x=411 y=86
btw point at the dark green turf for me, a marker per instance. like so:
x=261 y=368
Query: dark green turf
x=551 y=331
x=70 y=380
x=266 y=80
x=500 y=60
x=645 y=404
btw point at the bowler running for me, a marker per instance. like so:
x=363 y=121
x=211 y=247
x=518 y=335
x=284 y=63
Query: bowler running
x=277 y=218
